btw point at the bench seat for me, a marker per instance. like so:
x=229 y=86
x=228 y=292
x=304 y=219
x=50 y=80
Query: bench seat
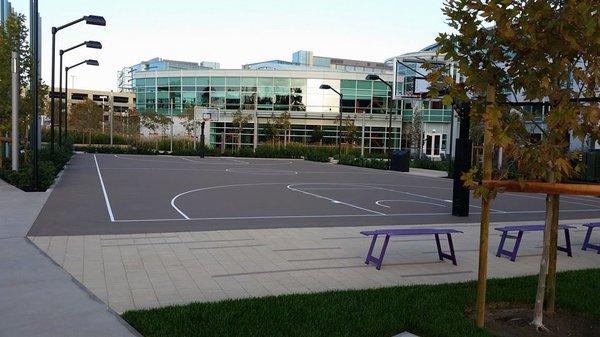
x=410 y=232
x=529 y=228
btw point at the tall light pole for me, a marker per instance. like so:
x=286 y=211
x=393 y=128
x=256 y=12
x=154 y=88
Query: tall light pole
x=88 y=44
x=34 y=17
x=89 y=63
x=15 y=112
x=90 y=20
x=339 y=133
x=388 y=145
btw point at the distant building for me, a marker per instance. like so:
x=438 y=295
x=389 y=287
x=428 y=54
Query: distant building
x=5 y=10
x=306 y=60
x=121 y=102
x=125 y=75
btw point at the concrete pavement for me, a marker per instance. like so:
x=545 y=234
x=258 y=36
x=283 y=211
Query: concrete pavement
x=37 y=297
x=137 y=271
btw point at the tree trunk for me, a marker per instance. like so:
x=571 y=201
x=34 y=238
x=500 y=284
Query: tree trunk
x=551 y=278
x=488 y=153
x=538 y=311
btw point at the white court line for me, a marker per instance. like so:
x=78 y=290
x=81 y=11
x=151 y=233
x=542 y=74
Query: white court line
x=261 y=172
x=110 y=212
x=432 y=198
x=381 y=202
x=340 y=216
x=332 y=200
x=544 y=198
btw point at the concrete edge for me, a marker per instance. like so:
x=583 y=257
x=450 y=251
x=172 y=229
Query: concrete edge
x=86 y=290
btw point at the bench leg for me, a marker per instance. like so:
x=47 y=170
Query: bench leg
x=371 y=258
x=383 y=249
x=370 y=253
x=567 y=248
x=510 y=254
x=451 y=245
x=442 y=255
x=517 y=245
x=501 y=245
x=588 y=238
x=439 y=246
x=586 y=241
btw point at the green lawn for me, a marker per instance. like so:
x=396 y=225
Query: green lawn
x=424 y=310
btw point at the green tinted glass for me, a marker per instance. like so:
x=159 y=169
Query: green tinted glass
x=232 y=81
x=202 y=81
x=188 y=81
x=217 y=81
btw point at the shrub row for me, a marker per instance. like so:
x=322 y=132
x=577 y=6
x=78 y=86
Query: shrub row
x=370 y=162
x=49 y=166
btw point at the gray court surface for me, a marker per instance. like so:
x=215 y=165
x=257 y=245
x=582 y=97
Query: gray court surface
x=124 y=194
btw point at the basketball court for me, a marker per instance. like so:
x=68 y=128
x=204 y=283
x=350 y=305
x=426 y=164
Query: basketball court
x=126 y=194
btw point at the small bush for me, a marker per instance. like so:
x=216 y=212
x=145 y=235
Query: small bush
x=369 y=162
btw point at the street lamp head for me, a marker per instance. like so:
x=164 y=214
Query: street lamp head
x=95 y=20
x=93 y=44
x=92 y=63
x=325 y=86
x=373 y=77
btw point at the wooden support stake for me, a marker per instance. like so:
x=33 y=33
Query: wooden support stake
x=488 y=149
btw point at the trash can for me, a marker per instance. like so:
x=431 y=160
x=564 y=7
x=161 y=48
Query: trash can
x=400 y=160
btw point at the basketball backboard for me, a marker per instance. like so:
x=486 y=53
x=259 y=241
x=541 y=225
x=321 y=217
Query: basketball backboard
x=206 y=114
x=410 y=86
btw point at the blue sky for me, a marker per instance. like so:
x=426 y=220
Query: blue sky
x=233 y=32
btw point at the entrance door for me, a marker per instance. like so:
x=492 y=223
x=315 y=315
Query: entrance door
x=433 y=144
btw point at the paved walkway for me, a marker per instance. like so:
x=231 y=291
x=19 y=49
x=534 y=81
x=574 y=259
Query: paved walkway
x=37 y=297
x=149 y=270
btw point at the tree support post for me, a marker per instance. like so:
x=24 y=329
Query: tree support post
x=15 y=113
x=551 y=277
x=488 y=149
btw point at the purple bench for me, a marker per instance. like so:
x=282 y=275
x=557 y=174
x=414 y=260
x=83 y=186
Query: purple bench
x=588 y=236
x=409 y=232
x=529 y=228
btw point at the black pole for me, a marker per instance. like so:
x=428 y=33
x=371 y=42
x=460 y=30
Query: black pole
x=60 y=99
x=34 y=92
x=462 y=162
x=53 y=90
x=67 y=101
x=340 y=129
x=389 y=141
x=202 y=139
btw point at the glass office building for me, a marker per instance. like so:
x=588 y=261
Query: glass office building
x=267 y=94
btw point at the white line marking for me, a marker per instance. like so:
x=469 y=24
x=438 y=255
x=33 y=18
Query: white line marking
x=544 y=198
x=381 y=202
x=335 y=216
x=261 y=172
x=110 y=212
x=332 y=200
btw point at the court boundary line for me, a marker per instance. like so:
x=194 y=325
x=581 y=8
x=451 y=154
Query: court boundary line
x=356 y=215
x=106 y=200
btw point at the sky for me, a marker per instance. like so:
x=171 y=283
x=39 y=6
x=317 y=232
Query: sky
x=231 y=32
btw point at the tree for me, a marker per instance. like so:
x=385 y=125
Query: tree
x=154 y=121
x=416 y=130
x=317 y=135
x=283 y=124
x=239 y=121
x=270 y=132
x=86 y=116
x=539 y=51
x=188 y=122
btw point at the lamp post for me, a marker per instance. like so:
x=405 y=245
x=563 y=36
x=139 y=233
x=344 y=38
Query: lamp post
x=388 y=145
x=89 y=63
x=339 y=133
x=87 y=44
x=34 y=18
x=90 y=20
